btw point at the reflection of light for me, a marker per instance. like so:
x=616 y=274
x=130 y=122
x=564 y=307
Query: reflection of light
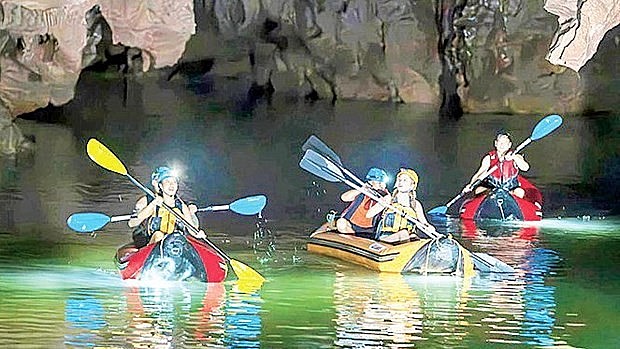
x=573 y=224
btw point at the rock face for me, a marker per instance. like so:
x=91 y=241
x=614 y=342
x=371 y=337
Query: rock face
x=461 y=55
x=45 y=44
x=582 y=25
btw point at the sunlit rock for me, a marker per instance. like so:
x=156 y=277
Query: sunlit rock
x=581 y=27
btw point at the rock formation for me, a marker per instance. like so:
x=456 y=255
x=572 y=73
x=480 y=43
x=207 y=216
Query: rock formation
x=462 y=55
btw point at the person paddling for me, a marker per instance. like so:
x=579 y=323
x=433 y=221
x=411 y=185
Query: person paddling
x=353 y=219
x=506 y=174
x=158 y=220
x=394 y=227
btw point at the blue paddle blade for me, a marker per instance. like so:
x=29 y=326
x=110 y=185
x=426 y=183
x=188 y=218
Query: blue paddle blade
x=249 y=206
x=545 y=126
x=87 y=222
x=318 y=165
x=313 y=142
x=439 y=210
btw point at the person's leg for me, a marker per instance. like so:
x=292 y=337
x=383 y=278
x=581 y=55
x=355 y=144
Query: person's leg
x=479 y=190
x=158 y=235
x=518 y=192
x=344 y=227
x=399 y=237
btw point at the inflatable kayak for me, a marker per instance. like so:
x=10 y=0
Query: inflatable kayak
x=499 y=204
x=426 y=256
x=177 y=257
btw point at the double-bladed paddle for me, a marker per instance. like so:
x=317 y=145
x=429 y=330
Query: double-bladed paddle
x=314 y=143
x=544 y=127
x=104 y=157
x=324 y=167
x=87 y=222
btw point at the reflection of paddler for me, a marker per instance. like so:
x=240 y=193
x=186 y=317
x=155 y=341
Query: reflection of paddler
x=211 y=315
x=376 y=312
x=396 y=224
x=143 y=330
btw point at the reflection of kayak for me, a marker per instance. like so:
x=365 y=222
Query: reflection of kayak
x=443 y=255
x=501 y=205
x=177 y=257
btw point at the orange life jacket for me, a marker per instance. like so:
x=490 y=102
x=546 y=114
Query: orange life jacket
x=356 y=211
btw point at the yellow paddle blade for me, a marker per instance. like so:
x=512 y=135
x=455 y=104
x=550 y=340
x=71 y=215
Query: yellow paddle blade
x=103 y=157
x=247 y=287
x=245 y=273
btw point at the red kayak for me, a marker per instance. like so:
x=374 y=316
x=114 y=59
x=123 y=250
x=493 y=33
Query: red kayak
x=177 y=257
x=499 y=204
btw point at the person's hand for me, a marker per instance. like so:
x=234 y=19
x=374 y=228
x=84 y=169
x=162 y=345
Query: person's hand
x=386 y=200
x=467 y=188
x=159 y=201
x=201 y=234
x=192 y=208
x=510 y=156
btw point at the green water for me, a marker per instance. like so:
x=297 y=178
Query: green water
x=61 y=289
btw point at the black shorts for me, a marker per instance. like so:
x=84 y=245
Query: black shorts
x=140 y=236
x=492 y=183
x=363 y=232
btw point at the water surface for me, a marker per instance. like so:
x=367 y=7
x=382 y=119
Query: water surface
x=60 y=289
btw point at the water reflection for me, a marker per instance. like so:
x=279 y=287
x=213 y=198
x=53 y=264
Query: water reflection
x=174 y=315
x=399 y=311
x=84 y=317
x=384 y=314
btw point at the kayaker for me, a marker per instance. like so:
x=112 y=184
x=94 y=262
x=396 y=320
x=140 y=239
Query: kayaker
x=158 y=220
x=353 y=219
x=394 y=226
x=140 y=235
x=508 y=167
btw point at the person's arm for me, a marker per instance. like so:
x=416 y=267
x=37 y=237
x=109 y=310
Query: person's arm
x=193 y=209
x=349 y=195
x=379 y=206
x=520 y=162
x=189 y=216
x=193 y=220
x=140 y=205
x=484 y=166
x=419 y=211
x=147 y=211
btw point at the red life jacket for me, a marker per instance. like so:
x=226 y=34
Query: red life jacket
x=356 y=211
x=505 y=171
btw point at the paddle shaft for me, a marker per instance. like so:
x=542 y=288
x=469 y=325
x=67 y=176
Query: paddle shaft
x=375 y=197
x=371 y=195
x=178 y=216
x=127 y=217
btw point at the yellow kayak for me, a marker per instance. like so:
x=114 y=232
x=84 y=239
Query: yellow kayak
x=437 y=256
x=426 y=256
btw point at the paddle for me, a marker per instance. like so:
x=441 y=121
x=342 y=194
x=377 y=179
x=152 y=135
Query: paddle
x=87 y=222
x=313 y=142
x=103 y=157
x=544 y=127
x=322 y=167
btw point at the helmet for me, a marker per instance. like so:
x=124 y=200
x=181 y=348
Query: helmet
x=162 y=173
x=410 y=173
x=377 y=174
